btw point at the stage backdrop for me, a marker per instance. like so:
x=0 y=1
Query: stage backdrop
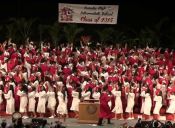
x=89 y=14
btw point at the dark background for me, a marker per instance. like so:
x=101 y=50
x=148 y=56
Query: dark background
x=131 y=12
x=133 y=16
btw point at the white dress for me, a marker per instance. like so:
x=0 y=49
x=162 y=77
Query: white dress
x=42 y=102
x=118 y=109
x=62 y=106
x=143 y=101
x=1 y=99
x=86 y=95
x=158 y=100
x=148 y=104
x=32 y=102
x=171 y=108
x=130 y=102
x=10 y=105
x=23 y=101
x=75 y=101
x=96 y=95
x=51 y=100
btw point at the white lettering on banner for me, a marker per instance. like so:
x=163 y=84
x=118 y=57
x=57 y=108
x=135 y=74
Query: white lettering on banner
x=89 y=14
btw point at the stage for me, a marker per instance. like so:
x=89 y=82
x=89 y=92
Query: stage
x=73 y=123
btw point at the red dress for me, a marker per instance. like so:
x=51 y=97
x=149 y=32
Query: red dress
x=105 y=111
x=17 y=98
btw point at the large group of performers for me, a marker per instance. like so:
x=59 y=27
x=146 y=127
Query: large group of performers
x=36 y=78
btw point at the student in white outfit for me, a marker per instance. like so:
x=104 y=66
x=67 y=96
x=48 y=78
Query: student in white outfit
x=96 y=93
x=130 y=103
x=51 y=101
x=76 y=94
x=143 y=89
x=22 y=93
x=118 y=109
x=148 y=103
x=42 y=101
x=87 y=93
x=32 y=101
x=158 y=104
x=62 y=99
x=9 y=96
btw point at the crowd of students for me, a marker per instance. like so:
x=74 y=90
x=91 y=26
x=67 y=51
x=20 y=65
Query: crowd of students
x=35 y=78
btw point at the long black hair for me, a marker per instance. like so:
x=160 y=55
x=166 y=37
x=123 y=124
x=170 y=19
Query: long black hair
x=24 y=88
x=148 y=91
x=64 y=91
x=12 y=89
x=79 y=90
x=105 y=88
x=90 y=90
x=160 y=94
x=43 y=89
x=1 y=87
x=99 y=90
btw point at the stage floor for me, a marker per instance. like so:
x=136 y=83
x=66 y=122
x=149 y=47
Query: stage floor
x=73 y=123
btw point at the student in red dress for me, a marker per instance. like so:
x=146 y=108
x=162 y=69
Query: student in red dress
x=105 y=111
x=16 y=97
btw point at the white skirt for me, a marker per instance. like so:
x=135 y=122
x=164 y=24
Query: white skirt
x=171 y=108
x=41 y=108
x=157 y=108
x=23 y=104
x=31 y=106
x=118 y=109
x=51 y=103
x=75 y=104
x=130 y=107
x=62 y=108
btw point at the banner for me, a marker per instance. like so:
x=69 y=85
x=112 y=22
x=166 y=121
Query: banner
x=88 y=14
